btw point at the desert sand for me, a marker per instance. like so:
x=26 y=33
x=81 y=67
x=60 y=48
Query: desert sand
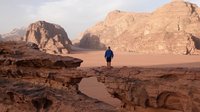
x=96 y=59
x=93 y=88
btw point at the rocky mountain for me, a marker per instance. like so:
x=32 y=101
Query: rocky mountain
x=50 y=38
x=16 y=34
x=171 y=29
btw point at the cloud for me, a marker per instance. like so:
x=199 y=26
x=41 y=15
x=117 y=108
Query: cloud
x=75 y=16
x=16 y=13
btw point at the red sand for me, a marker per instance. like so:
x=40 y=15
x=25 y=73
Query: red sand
x=94 y=89
x=96 y=59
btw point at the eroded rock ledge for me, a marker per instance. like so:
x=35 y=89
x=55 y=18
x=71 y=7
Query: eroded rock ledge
x=32 y=81
x=153 y=89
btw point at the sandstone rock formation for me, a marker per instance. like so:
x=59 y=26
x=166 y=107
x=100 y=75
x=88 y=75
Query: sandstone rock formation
x=16 y=34
x=50 y=38
x=172 y=29
x=153 y=89
x=33 y=81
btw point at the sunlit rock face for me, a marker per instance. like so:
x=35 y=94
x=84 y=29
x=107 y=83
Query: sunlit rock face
x=171 y=29
x=50 y=38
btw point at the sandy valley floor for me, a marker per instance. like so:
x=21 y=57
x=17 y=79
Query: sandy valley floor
x=96 y=59
x=94 y=89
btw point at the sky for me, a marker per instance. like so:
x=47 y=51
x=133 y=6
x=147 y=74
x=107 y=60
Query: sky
x=75 y=16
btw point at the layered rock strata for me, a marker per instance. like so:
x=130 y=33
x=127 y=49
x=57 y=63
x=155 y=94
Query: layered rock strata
x=153 y=89
x=33 y=81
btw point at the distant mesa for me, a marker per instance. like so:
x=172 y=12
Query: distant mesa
x=171 y=29
x=16 y=34
x=91 y=42
x=50 y=38
x=1 y=38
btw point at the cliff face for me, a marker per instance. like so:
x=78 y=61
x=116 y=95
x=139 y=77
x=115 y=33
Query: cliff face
x=50 y=38
x=153 y=89
x=33 y=81
x=167 y=30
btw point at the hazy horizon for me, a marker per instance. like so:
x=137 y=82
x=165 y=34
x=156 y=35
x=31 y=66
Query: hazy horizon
x=75 y=16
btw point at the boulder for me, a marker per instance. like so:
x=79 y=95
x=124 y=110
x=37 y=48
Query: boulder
x=50 y=38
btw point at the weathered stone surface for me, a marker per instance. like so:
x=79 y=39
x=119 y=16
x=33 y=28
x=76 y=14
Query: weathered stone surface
x=33 y=81
x=168 y=30
x=153 y=89
x=50 y=38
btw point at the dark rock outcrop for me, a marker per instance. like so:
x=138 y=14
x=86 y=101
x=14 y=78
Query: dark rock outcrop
x=33 y=81
x=153 y=89
x=50 y=38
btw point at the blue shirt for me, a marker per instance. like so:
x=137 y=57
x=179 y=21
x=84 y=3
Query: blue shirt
x=109 y=54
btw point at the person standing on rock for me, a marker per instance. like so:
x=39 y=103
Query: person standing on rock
x=109 y=55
